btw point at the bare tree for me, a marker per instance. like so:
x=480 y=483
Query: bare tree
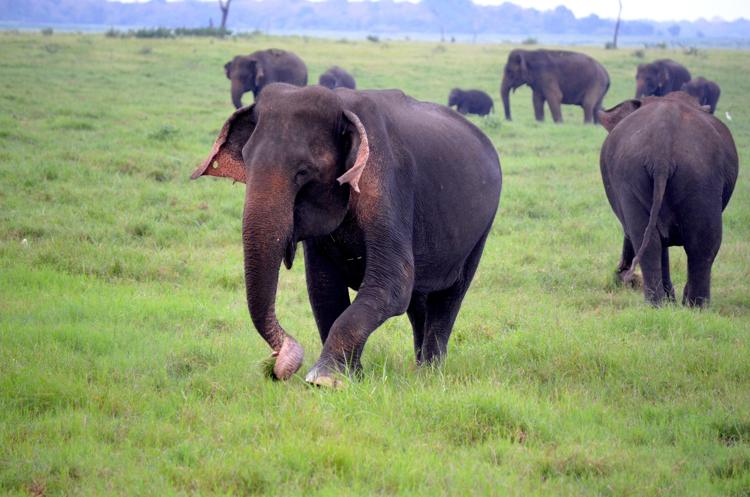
x=617 y=25
x=224 y=6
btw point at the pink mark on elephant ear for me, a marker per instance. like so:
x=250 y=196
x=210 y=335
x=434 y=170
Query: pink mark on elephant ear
x=363 y=153
x=225 y=159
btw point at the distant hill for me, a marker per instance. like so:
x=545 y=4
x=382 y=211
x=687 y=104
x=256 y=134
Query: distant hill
x=451 y=17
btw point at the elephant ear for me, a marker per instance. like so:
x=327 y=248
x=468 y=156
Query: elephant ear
x=225 y=159
x=358 y=154
x=524 y=67
x=611 y=117
x=227 y=69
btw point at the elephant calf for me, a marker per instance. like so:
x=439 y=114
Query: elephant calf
x=669 y=169
x=557 y=77
x=253 y=72
x=390 y=196
x=470 y=101
x=335 y=77
x=707 y=92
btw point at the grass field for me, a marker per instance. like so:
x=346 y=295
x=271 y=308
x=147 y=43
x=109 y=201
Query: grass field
x=129 y=366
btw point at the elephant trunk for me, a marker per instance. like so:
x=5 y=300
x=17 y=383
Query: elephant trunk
x=237 y=90
x=505 y=95
x=639 y=91
x=267 y=232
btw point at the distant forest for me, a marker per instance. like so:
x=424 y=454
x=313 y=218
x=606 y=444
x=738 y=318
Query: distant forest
x=384 y=16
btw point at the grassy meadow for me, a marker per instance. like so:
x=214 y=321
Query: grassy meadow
x=129 y=365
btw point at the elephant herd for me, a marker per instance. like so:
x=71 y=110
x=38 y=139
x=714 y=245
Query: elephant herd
x=395 y=198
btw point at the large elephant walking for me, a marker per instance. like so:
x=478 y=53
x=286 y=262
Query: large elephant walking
x=669 y=169
x=390 y=196
x=557 y=77
x=253 y=72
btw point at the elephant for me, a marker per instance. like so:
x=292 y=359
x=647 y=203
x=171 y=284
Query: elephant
x=335 y=77
x=669 y=168
x=470 y=101
x=558 y=77
x=389 y=196
x=253 y=72
x=659 y=78
x=707 y=92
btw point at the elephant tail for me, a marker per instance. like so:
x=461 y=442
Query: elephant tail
x=661 y=176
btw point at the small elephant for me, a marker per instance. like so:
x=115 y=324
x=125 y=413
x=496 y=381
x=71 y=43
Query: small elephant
x=558 y=77
x=253 y=72
x=659 y=78
x=389 y=196
x=669 y=169
x=707 y=92
x=470 y=101
x=335 y=77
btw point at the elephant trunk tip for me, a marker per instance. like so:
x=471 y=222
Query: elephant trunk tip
x=284 y=362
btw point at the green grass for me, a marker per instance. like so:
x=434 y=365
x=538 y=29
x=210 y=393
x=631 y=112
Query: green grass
x=128 y=364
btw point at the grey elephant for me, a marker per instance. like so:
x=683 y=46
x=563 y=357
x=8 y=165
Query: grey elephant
x=707 y=92
x=253 y=72
x=389 y=196
x=669 y=169
x=336 y=77
x=470 y=101
x=556 y=77
x=659 y=78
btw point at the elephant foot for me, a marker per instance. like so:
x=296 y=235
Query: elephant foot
x=333 y=376
x=323 y=377
x=286 y=361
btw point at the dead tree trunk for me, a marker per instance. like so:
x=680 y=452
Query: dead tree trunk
x=224 y=6
x=617 y=25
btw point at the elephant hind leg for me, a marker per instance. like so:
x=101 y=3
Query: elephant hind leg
x=443 y=307
x=417 y=313
x=591 y=104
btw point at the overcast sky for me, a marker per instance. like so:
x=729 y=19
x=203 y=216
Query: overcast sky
x=645 y=9
x=663 y=10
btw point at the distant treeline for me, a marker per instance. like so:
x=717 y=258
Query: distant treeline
x=434 y=16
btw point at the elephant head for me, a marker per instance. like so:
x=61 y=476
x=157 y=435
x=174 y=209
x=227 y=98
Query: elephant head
x=696 y=88
x=651 y=79
x=516 y=74
x=300 y=152
x=246 y=74
x=455 y=97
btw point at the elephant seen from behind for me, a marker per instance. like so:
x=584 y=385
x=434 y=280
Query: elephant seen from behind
x=556 y=77
x=669 y=169
x=253 y=72
x=389 y=196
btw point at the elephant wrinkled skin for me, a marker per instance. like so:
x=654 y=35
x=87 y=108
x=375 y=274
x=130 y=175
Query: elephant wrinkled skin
x=669 y=169
x=390 y=196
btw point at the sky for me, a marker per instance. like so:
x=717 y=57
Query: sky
x=664 y=10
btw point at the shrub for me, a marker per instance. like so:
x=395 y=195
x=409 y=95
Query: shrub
x=373 y=38
x=47 y=31
x=529 y=41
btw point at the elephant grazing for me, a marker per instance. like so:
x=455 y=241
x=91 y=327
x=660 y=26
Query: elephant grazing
x=253 y=72
x=390 y=196
x=470 y=101
x=669 y=169
x=659 y=78
x=335 y=77
x=558 y=77
x=707 y=92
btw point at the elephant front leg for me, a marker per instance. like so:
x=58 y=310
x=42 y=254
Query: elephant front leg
x=326 y=288
x=417 y=313
x=380 y=297
x=666 y=279
x=538 y=100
